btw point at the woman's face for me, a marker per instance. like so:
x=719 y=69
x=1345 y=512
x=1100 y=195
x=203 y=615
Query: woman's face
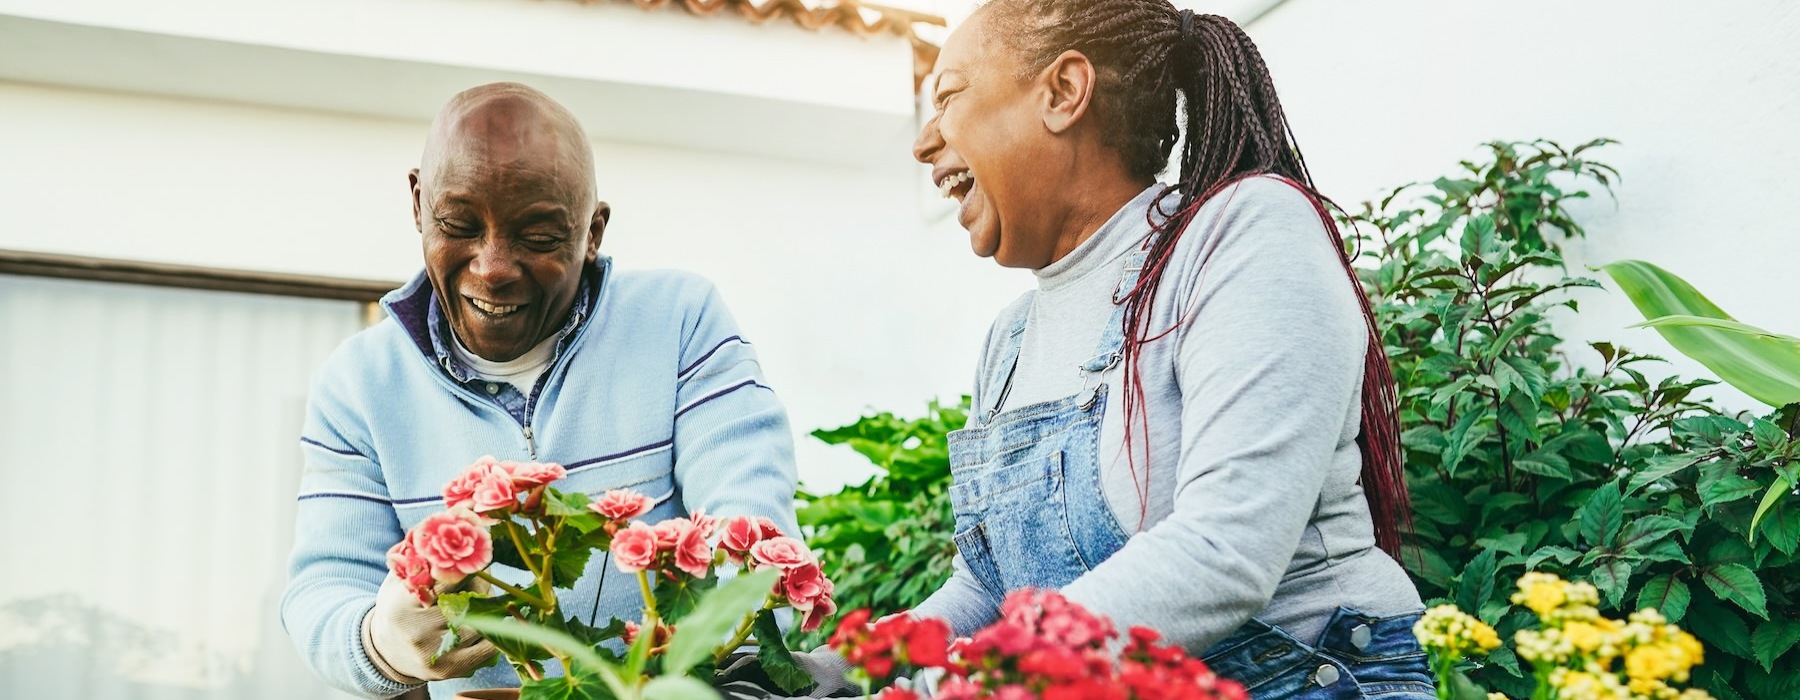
x=987 y=146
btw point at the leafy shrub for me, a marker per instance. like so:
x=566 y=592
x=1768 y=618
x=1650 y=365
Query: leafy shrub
x=1520 y=457
x=886 y=543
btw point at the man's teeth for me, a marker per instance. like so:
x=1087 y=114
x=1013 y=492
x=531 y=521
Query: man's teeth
x=493 y=309
x=952 y=182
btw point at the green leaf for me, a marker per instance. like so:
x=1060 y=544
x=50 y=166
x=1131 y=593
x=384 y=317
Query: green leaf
x=1659 y=468
x=1772 y=639
x=1719 y=627
x=495 y=628
x=1721 y=484
x=1476 y=585
x=1611 y=575
x=1509 y=543
x=1758 y=363
x=1646 y=531
x=1783 y=527
x=678 y=688
x=560 y=504
x=1462 y=688
x=1667 y=594
x=580 y=684
x=1776 y=492
x=1738 y=584
x=1562 y=555
x=715 y=617
x=1603 y=515
x=774 y=657
x=1720 y=686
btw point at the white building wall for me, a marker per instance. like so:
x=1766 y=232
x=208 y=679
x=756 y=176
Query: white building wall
x=1704 y=96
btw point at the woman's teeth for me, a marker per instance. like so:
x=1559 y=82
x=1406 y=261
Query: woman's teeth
x=493 y=308
x=949 y=185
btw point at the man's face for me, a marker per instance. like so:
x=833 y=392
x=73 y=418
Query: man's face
x=509 y=222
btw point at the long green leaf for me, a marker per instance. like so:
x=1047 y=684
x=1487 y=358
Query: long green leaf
x=1776 y=491
x=546 y=637
x=714 y=618
x=1759 y=363
x=1683 y=321
x=678 y=688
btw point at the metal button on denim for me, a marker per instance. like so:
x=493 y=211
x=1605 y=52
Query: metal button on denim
x=1326 y=675
x=493 y=388
x=1360 y=636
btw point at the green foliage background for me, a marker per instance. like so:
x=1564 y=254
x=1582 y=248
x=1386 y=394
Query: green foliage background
x=1524 y=453
x=886 y=542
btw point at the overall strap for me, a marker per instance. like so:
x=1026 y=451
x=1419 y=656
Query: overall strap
x=1015 y=339
x=1107 y=353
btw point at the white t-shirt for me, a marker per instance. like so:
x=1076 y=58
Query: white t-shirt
x=521 y=372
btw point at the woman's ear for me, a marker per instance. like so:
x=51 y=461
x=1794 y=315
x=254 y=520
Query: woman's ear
x=1068 y=84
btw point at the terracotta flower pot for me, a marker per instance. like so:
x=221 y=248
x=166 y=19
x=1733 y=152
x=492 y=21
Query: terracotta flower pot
x=489 y=694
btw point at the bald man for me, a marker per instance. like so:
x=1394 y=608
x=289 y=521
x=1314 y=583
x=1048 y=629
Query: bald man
x=518 y=340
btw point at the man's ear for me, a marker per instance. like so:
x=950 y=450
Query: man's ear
x=1068 y=87
x=597 y=229
x=412 y=181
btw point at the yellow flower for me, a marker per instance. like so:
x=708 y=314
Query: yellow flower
x=1497 y=696
x=1449 y=632
x=1540 y=592
x=1651 y=662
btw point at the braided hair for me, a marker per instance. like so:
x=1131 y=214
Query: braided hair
x=1162 y=72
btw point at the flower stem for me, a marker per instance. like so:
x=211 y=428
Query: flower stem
x=649 y=597
x=512 y=590
x=742 y=633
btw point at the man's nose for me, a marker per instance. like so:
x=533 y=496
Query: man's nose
x=495 y=263
x=929 y=142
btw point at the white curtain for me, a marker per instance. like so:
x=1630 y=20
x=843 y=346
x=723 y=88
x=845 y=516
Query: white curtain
x=148 y=462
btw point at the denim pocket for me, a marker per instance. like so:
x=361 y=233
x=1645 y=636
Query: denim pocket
x=972 y=544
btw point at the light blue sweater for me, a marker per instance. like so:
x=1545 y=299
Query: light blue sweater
x=655 y=390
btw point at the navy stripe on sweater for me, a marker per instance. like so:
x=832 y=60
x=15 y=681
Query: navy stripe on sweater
x=356 y=496
x=709 y=354
x=628 y=453
x=333 y=450
x=717 y=394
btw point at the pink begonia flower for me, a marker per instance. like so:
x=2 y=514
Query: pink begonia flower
x=634 y=548
x=412 y=570
x=802 y=585
x=781 y=552
x=693 y=553
x=741 y=533
x=533 y=474
x=454 y=542
x=461 y=490
x=670 y=532
x=622 y=504
x=823 y=607
x=706 y=524
x=494 y=493
x=768 y=528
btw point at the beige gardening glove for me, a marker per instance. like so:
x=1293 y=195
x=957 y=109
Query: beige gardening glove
x=401 y=637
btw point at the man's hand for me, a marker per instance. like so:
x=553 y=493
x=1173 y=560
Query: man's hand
x=401 y=637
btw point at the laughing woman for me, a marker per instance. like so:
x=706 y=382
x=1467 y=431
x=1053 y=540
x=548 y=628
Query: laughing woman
x=1190 y=423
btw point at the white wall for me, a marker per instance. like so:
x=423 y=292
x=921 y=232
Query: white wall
x=855 y=292
x=1704 y=96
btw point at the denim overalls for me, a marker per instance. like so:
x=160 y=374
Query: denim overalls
x=1030 y=512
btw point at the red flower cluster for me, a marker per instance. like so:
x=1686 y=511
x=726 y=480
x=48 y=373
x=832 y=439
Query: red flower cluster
x=1044 y=647
x=896 y=639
